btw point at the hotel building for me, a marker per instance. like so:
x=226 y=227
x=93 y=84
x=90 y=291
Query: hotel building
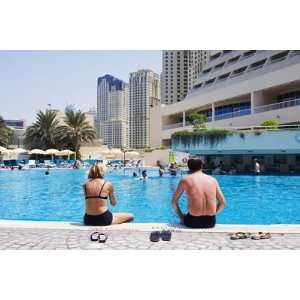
x=144 y=94
x=112 y=111
x=237 y=89
x=18 y=128
x=180 y=69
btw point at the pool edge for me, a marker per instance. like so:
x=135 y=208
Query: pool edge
x=226 y=228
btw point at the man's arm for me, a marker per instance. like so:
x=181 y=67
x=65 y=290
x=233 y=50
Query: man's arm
x=176 y=196
x=220 y=198
x=112 y=197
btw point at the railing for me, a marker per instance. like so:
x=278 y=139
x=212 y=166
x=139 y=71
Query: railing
x=233 y=114
x=171 y=126
x=178 y=125
x=279 y=105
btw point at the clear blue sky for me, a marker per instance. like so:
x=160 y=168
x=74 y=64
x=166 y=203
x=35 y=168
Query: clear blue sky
x=29 y=80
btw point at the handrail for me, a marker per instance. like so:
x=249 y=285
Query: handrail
x=238 y=113
x=278 y=105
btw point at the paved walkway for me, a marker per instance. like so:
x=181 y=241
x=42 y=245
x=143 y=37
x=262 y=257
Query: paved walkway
x=59 y=236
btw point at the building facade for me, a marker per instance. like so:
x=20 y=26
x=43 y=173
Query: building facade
x=112 y=111
x=181 y=69
x=144 y=94
x=238 y=89
x=18 y=128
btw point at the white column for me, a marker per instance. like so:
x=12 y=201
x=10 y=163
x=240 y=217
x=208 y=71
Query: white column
x=252 y=103
x=183 y=119
x=213 y=111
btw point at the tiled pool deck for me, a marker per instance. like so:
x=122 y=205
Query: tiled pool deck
x=26 y=235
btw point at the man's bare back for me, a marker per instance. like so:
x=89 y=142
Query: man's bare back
x=202 y=192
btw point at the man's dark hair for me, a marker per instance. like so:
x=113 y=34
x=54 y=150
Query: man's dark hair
x=194 y=164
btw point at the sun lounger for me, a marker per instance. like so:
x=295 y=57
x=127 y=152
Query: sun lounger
x=31 y=164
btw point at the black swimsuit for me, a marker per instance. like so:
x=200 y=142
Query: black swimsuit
x=98 y=220
x=199 y=221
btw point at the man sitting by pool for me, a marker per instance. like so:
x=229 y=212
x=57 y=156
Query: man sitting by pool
x=202 y=192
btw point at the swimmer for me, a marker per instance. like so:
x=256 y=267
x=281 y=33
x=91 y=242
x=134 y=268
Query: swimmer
x=134 y=174
x=47 y=173
x=161 y=172
x=144 y=175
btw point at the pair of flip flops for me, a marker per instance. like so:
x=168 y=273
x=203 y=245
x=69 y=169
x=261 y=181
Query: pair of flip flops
x=246 y=235
x=165 y=235
x=98 y=237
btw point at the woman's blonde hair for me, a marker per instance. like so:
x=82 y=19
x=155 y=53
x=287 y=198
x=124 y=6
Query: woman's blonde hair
x=97 y=170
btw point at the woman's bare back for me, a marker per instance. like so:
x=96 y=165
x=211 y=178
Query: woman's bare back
x=94 y=204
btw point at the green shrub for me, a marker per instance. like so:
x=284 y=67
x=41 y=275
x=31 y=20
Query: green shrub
x=270 y=123
x=197 y=119
x=207 y=136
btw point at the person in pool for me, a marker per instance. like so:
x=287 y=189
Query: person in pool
x=144 y=175
x=202 y=192
x=97 y=191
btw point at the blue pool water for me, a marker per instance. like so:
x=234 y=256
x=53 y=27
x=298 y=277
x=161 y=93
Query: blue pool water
x=29 y=195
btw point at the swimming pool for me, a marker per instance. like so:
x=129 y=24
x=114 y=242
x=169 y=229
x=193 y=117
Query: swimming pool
x=30 y=195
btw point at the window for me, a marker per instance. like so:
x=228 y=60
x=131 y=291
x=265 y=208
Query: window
x=295 y=52
x=257 y=65
x=215 y=56
x=279 y=57
x=206 y=71
x=238 y=72
x=233 y=60
x=249 y=53
x=196 y=86
x=219 y=66
x=209 y=82
x=223 y=77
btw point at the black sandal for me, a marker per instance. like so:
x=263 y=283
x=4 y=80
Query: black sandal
x=154 y=236
x=102 y=238
x=98 y=237
x=166 y=235
x=94 y=236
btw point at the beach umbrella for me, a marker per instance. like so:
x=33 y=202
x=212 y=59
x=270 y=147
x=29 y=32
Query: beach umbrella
x=52 y=152
x=19 y=151
x=132 y=154
x=106 y=151
x=66 y=152
x=112 y=153
x=37 y=151
x=3 y=150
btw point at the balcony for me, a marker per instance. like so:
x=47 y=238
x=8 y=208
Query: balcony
x=180 y=124
x=233 y=114
x=172 y=126
x=274 y=106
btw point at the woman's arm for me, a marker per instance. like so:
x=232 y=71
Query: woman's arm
x=112 y=197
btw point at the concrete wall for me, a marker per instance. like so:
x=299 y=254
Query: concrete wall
x=150 y=158
x=155 y=127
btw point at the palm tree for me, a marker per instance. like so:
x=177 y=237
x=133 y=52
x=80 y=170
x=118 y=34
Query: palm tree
x=4 y=133
x=76 y=131
x=43 y=133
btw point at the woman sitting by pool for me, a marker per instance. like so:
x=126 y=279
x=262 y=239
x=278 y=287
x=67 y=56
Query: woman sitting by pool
x=97 y=191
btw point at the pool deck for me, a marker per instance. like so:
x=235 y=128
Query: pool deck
x=26 y=235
